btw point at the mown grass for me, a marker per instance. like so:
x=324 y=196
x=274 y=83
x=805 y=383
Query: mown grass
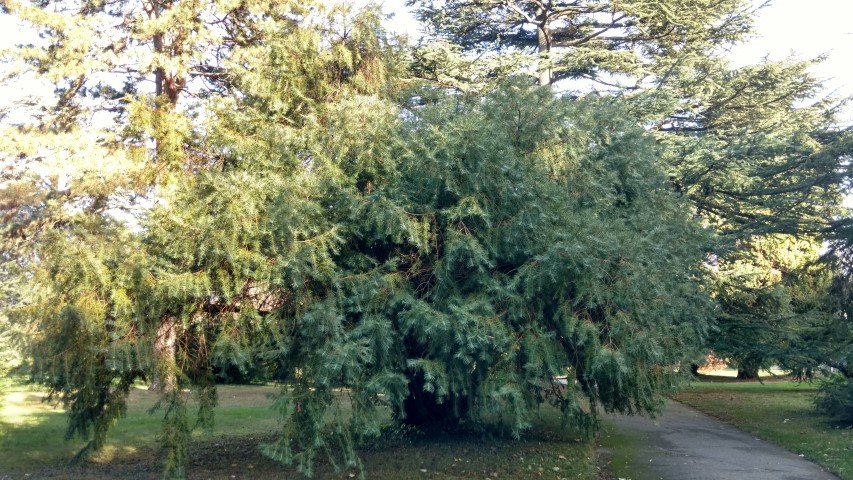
x=618 y=454
x=33 y=431
x=32 y=445
x=779 y=411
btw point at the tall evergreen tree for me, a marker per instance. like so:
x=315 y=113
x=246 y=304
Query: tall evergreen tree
x=772 y=293
x=760 y=160
x=598 y=40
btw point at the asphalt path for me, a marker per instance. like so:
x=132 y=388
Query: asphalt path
x=684 y=444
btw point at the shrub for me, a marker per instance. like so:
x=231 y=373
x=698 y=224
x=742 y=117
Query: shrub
x=835 y=398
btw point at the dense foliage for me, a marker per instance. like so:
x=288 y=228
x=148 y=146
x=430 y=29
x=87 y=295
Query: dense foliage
x=830 y=345
x=498 y=253
x=97 y=182
x=836 y=397
x=764 y=164
x=773 y=295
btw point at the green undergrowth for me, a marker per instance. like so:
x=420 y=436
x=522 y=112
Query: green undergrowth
x=781 y=411
x=31 y=439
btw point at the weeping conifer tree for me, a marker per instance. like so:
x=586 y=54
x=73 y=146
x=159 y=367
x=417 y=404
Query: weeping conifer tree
x=557 y=210
x=500 y=252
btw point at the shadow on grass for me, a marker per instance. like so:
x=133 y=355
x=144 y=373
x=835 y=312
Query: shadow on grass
x=410 y=455
x=33 y=446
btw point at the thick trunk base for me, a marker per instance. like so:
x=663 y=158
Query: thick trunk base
x=163 y=378
x=421 y=408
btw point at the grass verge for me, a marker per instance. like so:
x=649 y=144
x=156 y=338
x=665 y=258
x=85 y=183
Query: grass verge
x=779 y=411
x=31 y=439
x=618 y=455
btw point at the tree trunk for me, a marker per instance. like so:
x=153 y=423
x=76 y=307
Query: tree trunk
x=163 y=378
x=422 y=408
x=747 y=373
x=543 y=39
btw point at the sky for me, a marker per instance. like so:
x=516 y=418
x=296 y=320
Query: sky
x=807 y=30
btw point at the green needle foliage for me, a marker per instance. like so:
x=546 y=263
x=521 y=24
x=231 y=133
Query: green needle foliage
x=764 y=165
x=752 y=148
x=829 y=346
x=448 y=261
x=773 y=295
x=515 y=239
x=137 y=209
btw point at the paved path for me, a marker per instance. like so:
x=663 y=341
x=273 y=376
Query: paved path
x=684 y=444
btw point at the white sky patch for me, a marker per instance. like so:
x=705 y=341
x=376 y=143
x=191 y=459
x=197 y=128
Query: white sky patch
x=403 y=21
x=806 y=30
x=26 y=91
x=789 y=26
x=10 y=32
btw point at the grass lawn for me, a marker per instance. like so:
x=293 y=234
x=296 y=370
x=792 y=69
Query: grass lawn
x=779 y=411
x=32 y=446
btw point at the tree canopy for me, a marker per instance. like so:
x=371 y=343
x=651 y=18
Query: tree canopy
x=98 y=179
x=596 y=39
